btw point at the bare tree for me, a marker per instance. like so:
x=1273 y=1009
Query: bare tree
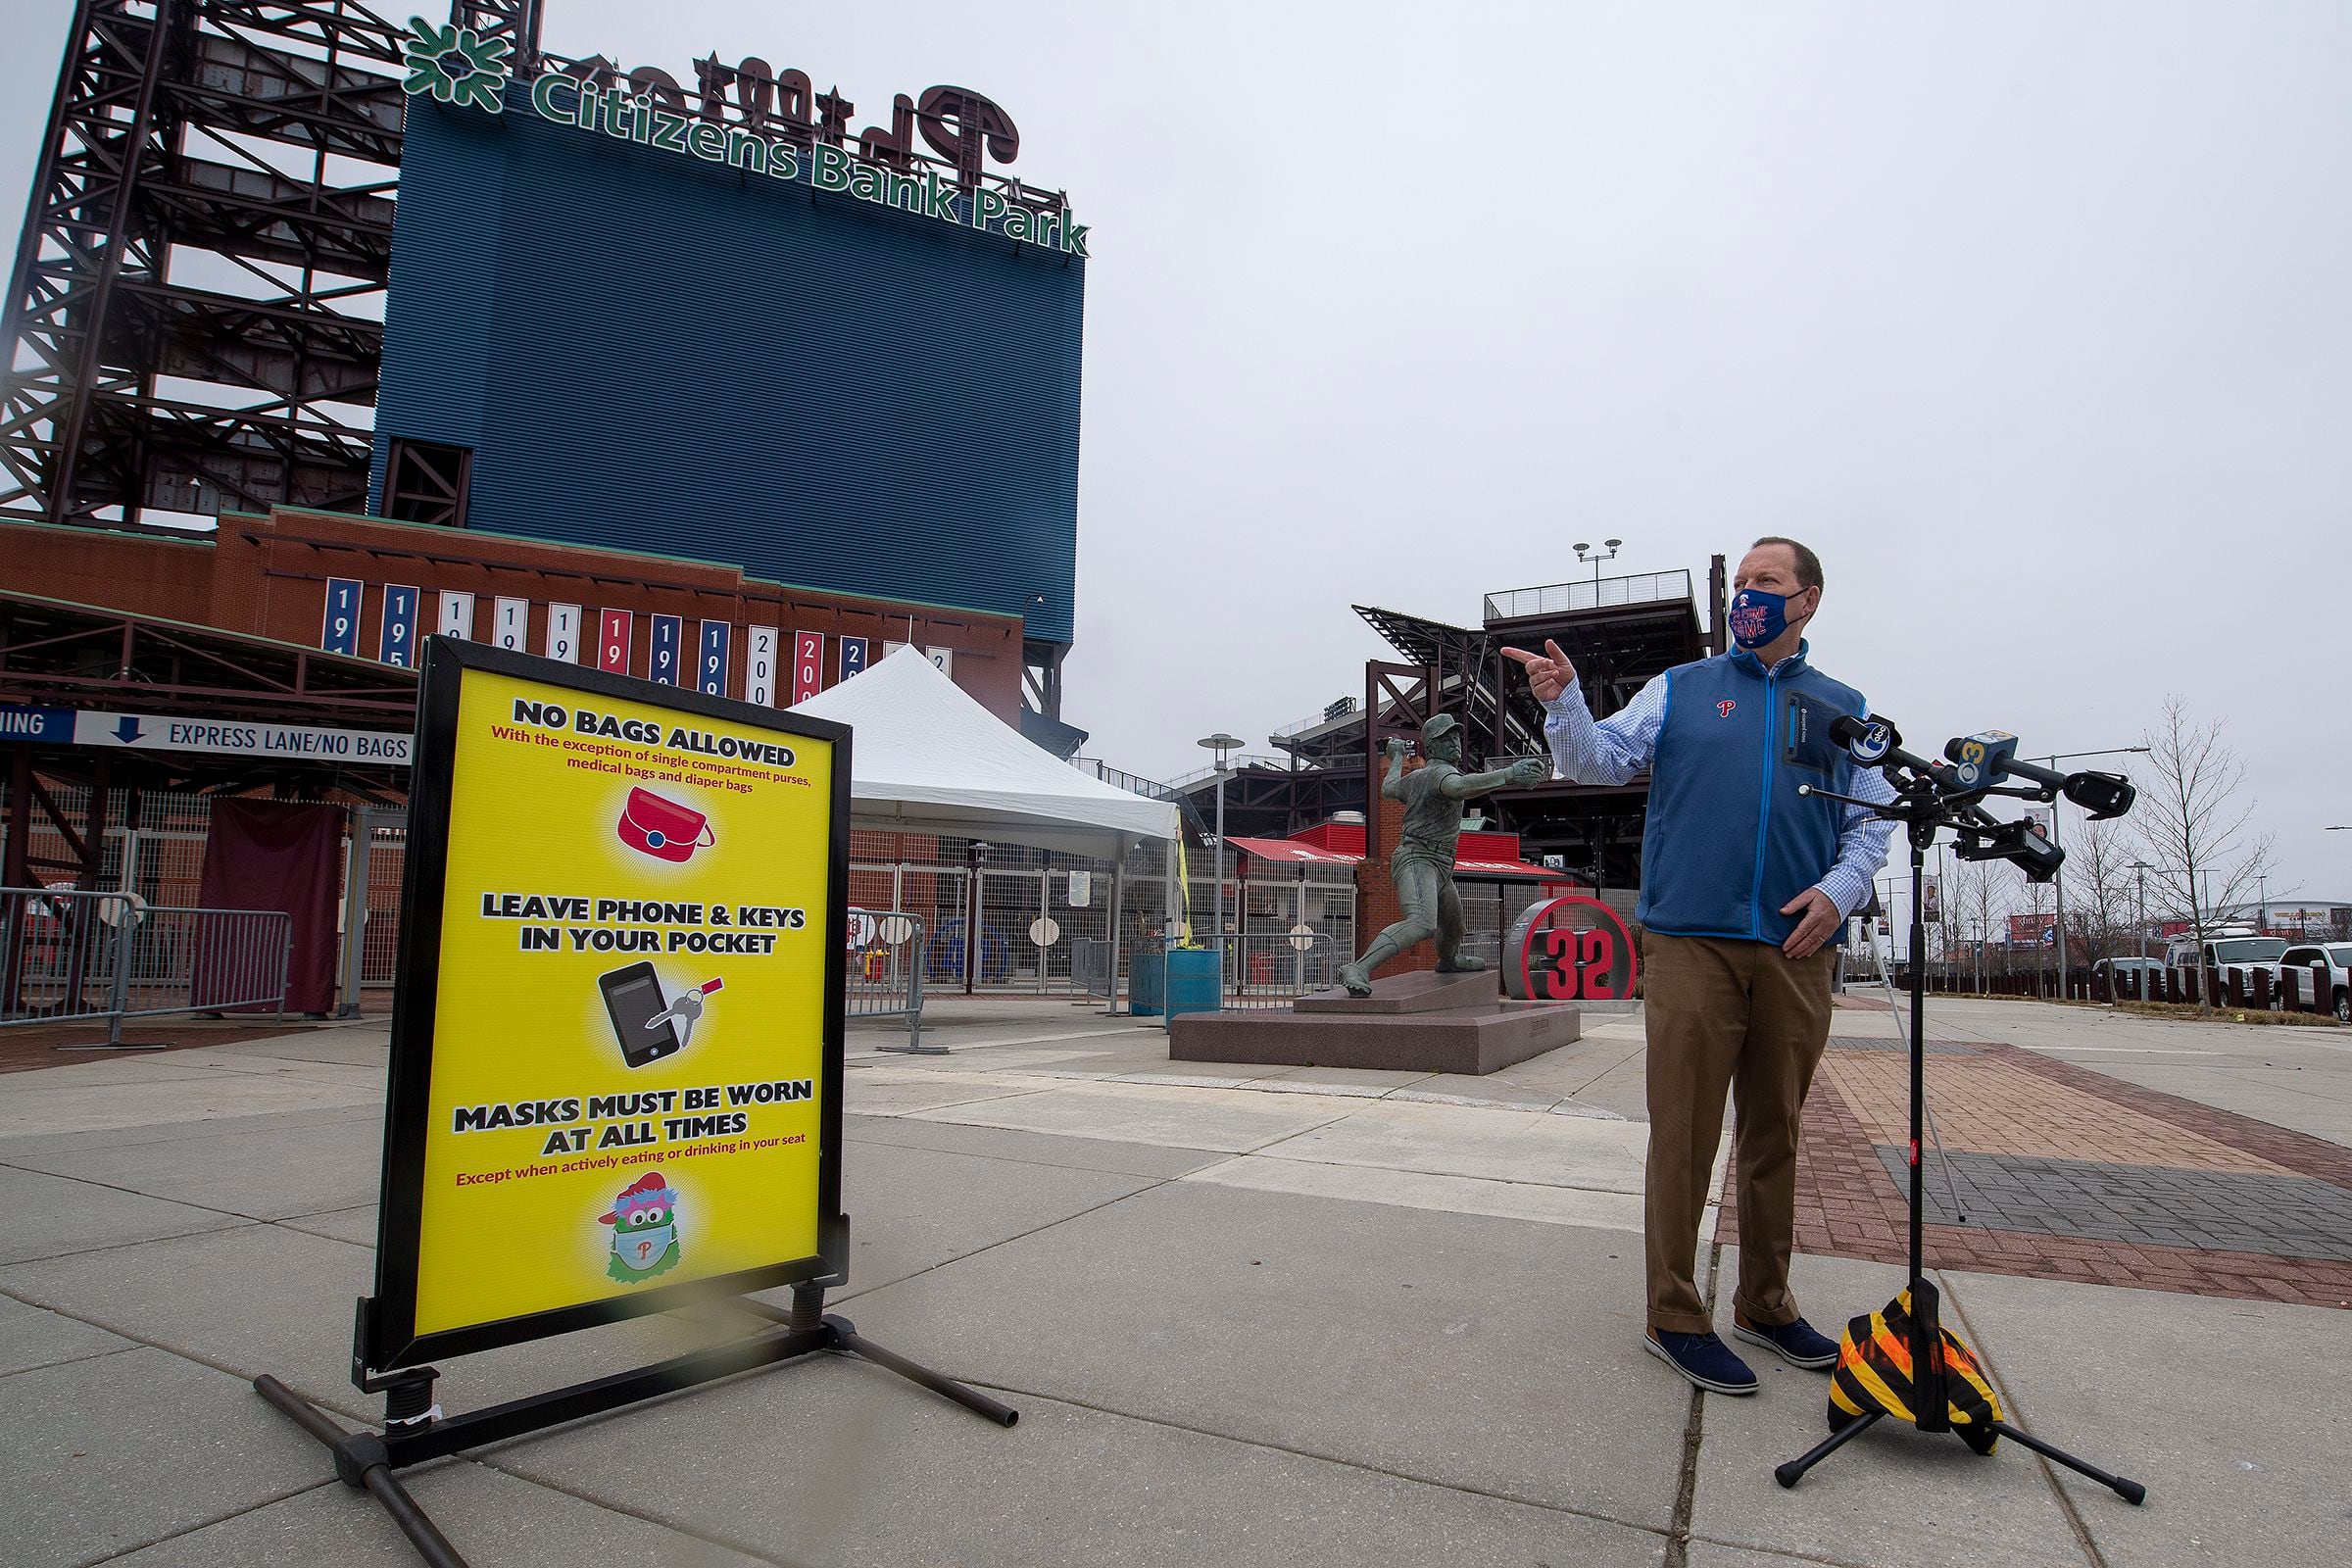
x=2101 y=895
x=2192 y=822
x=1977 y=896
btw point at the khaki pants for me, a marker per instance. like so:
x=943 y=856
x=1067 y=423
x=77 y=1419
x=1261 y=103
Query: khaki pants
x=1744 y=1016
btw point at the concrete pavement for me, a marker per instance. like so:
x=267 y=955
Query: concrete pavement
x=1249 y=1317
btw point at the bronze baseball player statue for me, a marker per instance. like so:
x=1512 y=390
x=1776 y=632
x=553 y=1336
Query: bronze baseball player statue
x=1423 y=866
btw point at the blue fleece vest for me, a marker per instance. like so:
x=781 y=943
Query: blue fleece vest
x=1728 y=839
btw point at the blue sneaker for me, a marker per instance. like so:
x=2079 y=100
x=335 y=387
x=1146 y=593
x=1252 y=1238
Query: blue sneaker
x=1702 y=1358
x=1796 y=1344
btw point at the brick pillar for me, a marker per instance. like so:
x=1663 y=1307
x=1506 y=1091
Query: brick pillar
x=1376 y=905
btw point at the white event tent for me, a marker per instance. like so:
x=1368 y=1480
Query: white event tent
x=928 y=758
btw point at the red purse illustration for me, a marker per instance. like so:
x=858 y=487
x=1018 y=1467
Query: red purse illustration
x=662 y=828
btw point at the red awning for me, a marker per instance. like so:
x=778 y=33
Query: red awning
x=1464 y=867
x=1284 y=851
x=1290 y=852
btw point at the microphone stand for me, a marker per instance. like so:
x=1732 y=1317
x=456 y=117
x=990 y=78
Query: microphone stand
x=1923 y=803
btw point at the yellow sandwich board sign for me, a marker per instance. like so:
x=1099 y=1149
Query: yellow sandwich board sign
x=616 y=1050
x=617 y=1046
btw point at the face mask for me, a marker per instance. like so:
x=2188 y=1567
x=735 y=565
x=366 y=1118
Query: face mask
x=643 y=1249
x=1759 y=618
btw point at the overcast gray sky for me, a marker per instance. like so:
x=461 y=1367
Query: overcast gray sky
x=2032 y=319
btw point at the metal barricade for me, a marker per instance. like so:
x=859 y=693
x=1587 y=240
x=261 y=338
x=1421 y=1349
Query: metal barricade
x=68 y=955
x=1275 y=969
x=885 y=975
x=1090 y=965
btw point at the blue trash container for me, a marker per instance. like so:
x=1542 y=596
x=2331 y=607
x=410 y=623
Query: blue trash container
x=1194 y=982
x=1146 y=980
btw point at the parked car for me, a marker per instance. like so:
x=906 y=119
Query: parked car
x=2295 y=976
x=2111 y=975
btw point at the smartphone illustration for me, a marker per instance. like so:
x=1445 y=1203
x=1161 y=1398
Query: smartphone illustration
x=633 y=997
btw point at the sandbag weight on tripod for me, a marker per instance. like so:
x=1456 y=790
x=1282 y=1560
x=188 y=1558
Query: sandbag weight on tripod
x=1874 y=1371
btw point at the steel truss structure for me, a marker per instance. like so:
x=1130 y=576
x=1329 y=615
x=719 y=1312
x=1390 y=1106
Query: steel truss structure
x=195 y=315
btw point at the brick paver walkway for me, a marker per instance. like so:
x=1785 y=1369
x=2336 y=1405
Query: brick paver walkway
x=2065 y=1173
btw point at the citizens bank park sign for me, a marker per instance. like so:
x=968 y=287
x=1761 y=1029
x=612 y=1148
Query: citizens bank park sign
x=770 y=124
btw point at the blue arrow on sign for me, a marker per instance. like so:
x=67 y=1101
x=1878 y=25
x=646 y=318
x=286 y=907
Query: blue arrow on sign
x=126 y=729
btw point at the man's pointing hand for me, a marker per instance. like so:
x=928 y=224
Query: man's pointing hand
x=1549 y=673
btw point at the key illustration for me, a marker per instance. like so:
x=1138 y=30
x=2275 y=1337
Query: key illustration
x=686 y=1011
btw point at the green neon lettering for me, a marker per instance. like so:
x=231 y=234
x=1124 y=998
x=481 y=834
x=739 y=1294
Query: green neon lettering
x=669 y=132
x=832 y=168
x=986 y=204
x=706 y=142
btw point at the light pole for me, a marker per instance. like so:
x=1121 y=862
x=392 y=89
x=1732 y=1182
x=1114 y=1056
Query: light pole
x=2142 y=869
x=2052 y=760
x=1223 y=745
x=1597 y=557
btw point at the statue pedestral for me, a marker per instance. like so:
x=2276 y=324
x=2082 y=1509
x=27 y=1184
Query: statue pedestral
x=1419 y=1022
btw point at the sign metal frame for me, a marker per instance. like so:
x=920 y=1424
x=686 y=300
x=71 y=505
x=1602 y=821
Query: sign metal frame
x=383 y=1333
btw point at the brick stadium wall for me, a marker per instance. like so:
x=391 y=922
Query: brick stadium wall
x=268 y=577
x=140 y=574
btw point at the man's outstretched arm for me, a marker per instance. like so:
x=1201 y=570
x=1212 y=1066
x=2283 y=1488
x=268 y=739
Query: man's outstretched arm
x=1608 y=751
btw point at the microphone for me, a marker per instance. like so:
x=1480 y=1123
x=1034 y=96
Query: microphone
x=1867 y=739
x=1990 y=756
x=1874 y=742
x=2101 y=795
x=1987 y=758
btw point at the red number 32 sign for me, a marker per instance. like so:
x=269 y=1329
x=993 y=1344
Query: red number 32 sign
x=1571 y=949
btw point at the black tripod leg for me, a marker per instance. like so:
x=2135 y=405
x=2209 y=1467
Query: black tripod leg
x=847 y=1337
x=2132 y=1491
x=1789 y=1474
x=354 y=1452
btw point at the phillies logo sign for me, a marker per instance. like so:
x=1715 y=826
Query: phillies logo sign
x=1723 y=710
x=1570 y=948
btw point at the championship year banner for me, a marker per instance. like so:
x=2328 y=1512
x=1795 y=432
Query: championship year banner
x=617 y=1046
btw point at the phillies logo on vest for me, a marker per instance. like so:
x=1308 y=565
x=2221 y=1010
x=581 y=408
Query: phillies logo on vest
x=1723 y=710
x=1569 y=948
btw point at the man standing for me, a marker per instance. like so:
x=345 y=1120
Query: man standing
x=1746 y=887
x=1423 y=866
